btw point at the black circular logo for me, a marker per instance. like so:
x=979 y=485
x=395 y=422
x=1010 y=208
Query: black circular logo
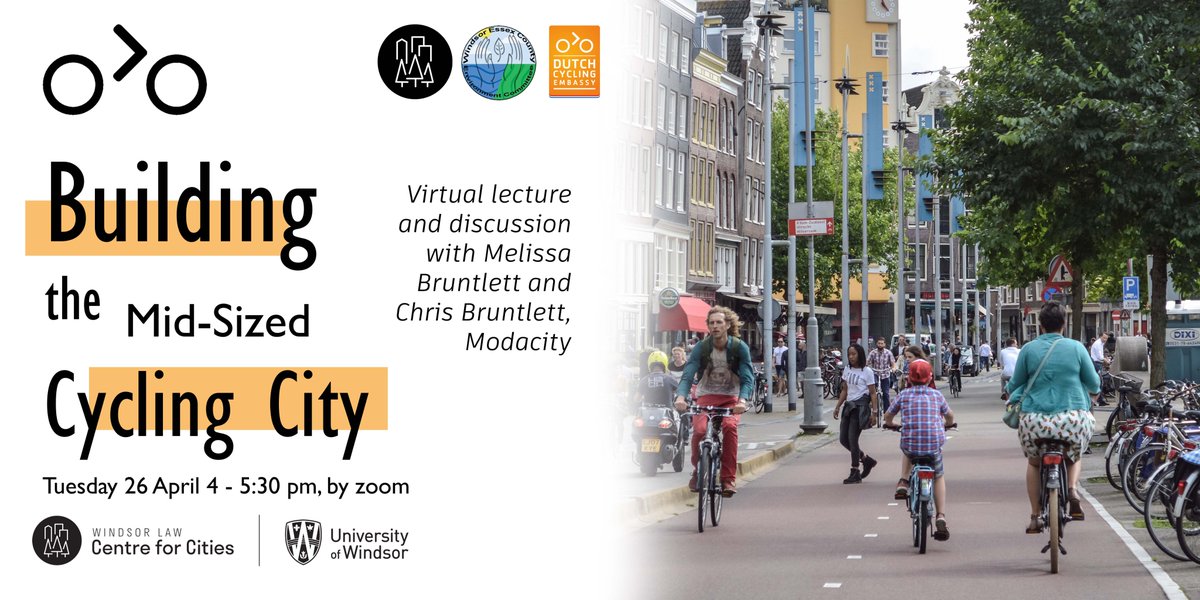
x=414 y=62
x=56 y=540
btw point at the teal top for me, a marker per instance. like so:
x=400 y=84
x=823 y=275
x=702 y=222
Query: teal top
x=1066 y=381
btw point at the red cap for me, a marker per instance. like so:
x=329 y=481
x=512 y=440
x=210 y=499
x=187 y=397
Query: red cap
x=919 y=372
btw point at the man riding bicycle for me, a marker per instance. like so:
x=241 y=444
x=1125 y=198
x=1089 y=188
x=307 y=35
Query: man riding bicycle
x=882 y=362
x=956 y=369
x=726 y=380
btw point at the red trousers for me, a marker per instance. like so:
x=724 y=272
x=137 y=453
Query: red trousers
x=729 y=427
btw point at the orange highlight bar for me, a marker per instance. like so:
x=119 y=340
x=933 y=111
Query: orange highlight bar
x=574 y=61
x=37 y=231
x=251 y=387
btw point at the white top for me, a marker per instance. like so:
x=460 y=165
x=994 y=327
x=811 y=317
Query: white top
x=1008 y=360
x=779 y=350
x=857 y=382
x=1098 y=351
x=985 y=350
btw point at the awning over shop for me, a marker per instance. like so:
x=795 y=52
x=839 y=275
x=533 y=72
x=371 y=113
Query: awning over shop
x=689 y=315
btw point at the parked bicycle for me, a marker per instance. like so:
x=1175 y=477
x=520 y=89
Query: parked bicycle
x=708 y=466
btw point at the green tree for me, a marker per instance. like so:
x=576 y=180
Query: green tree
x=827 y=185
x=1077 y=134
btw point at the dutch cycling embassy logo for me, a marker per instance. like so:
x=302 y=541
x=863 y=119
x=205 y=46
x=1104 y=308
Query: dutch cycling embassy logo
x=498 y=62
x=303 y=539
x=56 y=540
x=414 y=62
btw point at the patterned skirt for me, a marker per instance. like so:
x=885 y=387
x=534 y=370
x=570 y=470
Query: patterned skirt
x=1072 y=426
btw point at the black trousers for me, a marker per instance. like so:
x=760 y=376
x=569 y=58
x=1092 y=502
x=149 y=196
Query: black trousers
x=851 y=429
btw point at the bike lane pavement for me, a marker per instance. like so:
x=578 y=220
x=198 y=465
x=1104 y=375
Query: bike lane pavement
x=798 y=532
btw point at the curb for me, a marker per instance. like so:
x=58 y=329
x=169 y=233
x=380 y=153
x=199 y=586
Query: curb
x=643 y=510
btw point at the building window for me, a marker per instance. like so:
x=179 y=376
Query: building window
x=658 y=175
x=884 y=89
x=647 y=100
x=944 y=261
x=712 y=125
x=750 y=98
x=670 y=193
x=662 y=44
x=661 y=107
x=816 y=39
x=695 y=187
x=635 y=100
x=879 y=46
x=758 y=87
x=685 y=55
x=648 y=35
x=679 y=183
x=915 y=255
x=683 y=116
x=695 y=110
x=745 y=263
x=721 y=128
x=645 y=179
x=749 y=137
x=635 y=15
x=672 y=102
x=708 y=183
x=692 y=259
x=673 y=51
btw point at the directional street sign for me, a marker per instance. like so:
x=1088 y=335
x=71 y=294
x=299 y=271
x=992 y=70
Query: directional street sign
x=1048 y=293
x=801 y=227
x=1130 y=292
x=1060 y=271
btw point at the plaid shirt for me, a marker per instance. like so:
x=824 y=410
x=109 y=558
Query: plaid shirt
x=881 y=361
x=921 y=408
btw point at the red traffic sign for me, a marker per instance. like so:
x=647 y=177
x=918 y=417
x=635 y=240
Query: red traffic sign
x=806 y=227
x=1116 y=315
x=1060 y=271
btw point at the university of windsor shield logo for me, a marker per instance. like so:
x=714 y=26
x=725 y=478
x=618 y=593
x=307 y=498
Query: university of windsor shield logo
x=303 y=539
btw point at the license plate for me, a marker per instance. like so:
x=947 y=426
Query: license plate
x=651 y=444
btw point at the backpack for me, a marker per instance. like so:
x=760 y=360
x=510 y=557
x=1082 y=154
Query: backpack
x=732 y=354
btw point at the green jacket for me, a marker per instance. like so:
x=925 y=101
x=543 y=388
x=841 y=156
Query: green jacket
x=738 y=353
x=1066 y=381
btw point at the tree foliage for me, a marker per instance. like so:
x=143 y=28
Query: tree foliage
x=827 y=185
x=1077 y=133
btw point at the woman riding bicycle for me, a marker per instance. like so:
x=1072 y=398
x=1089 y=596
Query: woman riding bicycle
x=1055 y=406
x=955 y=363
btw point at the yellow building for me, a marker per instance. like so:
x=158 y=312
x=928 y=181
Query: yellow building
x=863 y=38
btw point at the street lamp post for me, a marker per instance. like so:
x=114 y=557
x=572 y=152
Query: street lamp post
x=766 y=22
x=814 y=422
x=846 y=86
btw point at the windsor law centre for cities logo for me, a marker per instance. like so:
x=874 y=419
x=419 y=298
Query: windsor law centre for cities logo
x=415 y=62
x=56 y=540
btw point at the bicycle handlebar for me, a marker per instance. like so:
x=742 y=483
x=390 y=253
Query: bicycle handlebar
x=897 y=428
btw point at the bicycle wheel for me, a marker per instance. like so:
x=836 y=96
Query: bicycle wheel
x=702 y=473
x=1138 y=468
x=715 y=498
x=1159 y=507
x=1052 y=515
x=922 y=525
x=1113 y=460
x=1110 y=428
x=1187 y=526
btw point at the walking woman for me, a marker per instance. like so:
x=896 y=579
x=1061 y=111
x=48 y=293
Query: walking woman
x=858 y=413
x=1055 y=404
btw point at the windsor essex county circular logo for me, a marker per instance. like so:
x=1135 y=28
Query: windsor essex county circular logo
x=498 y=62
x=415 y=61
x=56 y=540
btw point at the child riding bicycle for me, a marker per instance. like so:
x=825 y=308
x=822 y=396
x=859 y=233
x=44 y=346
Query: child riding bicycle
x=925 y=416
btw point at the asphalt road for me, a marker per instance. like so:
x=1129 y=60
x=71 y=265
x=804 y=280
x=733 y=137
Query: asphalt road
x=798 y=532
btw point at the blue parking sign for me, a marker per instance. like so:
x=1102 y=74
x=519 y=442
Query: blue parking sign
x=1130 y=288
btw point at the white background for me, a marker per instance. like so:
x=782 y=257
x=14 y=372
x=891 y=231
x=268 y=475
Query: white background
x=500 y=449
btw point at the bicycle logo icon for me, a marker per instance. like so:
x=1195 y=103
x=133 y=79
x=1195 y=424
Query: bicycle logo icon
x=139 y=53
x=584 y=45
